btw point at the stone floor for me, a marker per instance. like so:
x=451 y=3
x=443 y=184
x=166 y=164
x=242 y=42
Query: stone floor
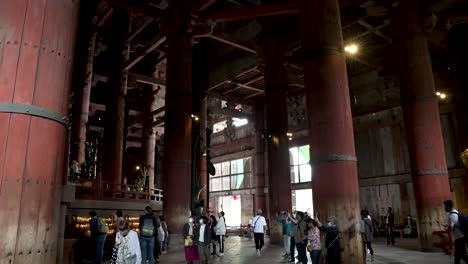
x=240 y=250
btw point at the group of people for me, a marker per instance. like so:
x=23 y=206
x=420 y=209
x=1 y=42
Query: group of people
x=302 y=233
x=129 y=246
x=200 y=236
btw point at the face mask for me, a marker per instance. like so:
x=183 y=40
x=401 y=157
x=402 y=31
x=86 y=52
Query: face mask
x=190 y=220
x=201 y=221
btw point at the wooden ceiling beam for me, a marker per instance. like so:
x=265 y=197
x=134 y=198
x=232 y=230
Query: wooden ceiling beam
x=152 y=45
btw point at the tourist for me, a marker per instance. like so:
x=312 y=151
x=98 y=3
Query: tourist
x=213 y=223
x=454 y=225
x=148 y=230
x=98 y=235
x=202 y=237
x=118 y=216
x=389 y=225
x=259 y=226
x=282 y=218
x=292 y=245
x=331 y=240
x=191 y=251
x=127 y=245
x=162 y=220
x=409 y=227
x=300 y=237
x=220 y=230
x=367 y=233
x=313 y=235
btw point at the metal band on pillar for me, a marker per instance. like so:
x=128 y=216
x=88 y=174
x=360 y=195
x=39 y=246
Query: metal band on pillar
x=34 y=111
x=333 y=157
x=434 y=172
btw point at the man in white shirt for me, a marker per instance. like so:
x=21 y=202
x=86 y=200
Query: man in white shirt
x=260 y=226
x=457 y=233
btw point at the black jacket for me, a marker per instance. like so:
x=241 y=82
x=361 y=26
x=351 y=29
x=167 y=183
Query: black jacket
x=207 y=235
x=391 y=220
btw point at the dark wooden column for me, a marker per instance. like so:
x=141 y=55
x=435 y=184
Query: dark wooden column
x=115 y=107
x=276 y=115
x=84 y=78
x=458 y=43
x=334 y=180
x=148 y=136
x=178 y=124
x=259 y=158
x=422 y=121
x=37 y=40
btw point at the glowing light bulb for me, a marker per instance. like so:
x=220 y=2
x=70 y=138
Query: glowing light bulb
x=443 y=96
x=351 y=49
x=137 y=167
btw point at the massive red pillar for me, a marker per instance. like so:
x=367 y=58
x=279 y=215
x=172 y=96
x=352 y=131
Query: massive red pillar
x=115 y=107
x=36 y=48
x=203 y=169
x=276 y=115
x=333 y=159
x=259 y=158
x=422 y=121
x=177 y=158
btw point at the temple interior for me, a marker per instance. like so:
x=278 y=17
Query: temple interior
x=194 y=107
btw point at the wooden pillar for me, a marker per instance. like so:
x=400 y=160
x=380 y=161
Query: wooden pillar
x=203 y=170
x=333 y=159
x=177 y=159
x=115 y=107
x=276 y=115
x=259 y=158
x=84 y=78
x=37 y=41
x=148 y=135
x=422 y=121
x=458 y=41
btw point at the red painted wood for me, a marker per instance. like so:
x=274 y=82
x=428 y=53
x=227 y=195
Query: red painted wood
x=335 y=183
x=36 y=44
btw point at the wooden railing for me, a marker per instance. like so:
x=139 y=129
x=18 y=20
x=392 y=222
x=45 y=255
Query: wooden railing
x=102 y=190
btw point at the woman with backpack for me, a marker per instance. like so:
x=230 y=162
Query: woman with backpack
x=127 y=245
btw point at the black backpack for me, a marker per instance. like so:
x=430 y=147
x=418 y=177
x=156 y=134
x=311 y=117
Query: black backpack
x=462 y=223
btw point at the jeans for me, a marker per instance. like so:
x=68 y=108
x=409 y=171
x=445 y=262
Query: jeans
x=292 y=248
x=259 y=240
x=99 y=242
x=369 y=246
x=287 y=246
x=147 y=249
x=302 y=252
x=390 y=237
x=460 y=251
x=315 y=256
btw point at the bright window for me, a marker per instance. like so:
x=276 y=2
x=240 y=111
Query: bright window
x=232 y=175
x=301 y=170
x=237 y=122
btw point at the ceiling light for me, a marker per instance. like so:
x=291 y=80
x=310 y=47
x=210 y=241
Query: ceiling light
x=137 y=168
x=443 y=96
x=438 y=93
x=351 y=49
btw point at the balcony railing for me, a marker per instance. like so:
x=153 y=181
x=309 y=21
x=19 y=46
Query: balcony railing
x=102 y=190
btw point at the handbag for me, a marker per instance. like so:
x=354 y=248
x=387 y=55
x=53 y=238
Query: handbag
x=309 y=248
x=188 y=242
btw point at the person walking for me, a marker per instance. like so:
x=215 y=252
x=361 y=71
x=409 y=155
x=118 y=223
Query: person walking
x=202 y=237
x=127 y=245
x=389 y=225
x=98 y=236
x=220 y=230
x=454 y=225
x=259 y=226
x=162 y=220
x=313 y=235
x=292 y=245
x=149 y=225
x=367 y=233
